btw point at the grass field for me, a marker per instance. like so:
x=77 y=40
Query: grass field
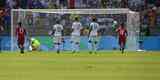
x=106 y=65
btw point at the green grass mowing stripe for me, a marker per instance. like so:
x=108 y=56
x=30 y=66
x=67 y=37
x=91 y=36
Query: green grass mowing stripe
x=106 y=65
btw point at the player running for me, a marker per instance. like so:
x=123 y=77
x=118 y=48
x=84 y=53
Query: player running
x=57 y=33
x=122 y=34
x=20 y=33
x=75 y=36
x=93 y=36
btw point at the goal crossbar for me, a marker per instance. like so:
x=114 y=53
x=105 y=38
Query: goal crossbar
x=78 y=11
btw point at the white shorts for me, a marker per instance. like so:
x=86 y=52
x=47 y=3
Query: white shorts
x=57 y=39
x=93 y=39
x=75 y=39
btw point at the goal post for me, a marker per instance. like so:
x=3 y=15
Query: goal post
x=132 y=20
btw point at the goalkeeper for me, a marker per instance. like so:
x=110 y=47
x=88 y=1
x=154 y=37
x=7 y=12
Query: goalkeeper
x=34 y=45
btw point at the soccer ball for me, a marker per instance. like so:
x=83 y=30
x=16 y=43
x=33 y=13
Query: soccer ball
x=114 y=24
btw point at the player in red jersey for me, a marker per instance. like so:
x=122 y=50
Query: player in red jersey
x=122 y=34
x=20 y=33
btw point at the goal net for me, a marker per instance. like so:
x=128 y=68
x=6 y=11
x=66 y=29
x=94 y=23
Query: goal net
x=38 y=22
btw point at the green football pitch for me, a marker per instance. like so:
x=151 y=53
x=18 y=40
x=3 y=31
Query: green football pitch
x=106 y=65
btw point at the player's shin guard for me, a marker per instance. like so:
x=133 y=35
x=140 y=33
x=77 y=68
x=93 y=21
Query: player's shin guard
x=122 y=47
x=95 y=47
x=122 y=50
x=77 y=46
x=22 y=49
x=90 y=47
x=57 y=47
x=73 y=47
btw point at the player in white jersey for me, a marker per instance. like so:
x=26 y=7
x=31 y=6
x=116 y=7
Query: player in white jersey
x=93 y=36
x=75 y=35
x=57 y=35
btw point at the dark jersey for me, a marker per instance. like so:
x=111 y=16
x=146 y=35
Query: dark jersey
x=122 y=32
x=20 y=33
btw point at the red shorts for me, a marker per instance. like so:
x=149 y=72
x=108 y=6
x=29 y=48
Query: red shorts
x=122 y=40
x=21 y=41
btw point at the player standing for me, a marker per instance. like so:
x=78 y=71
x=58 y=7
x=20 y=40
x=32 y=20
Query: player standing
x=57 y=35
x=122 y=35
x=93 y=35
x=20 y=33
x=75 y=36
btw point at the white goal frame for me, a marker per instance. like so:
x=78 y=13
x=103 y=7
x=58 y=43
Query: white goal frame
x=132 y=24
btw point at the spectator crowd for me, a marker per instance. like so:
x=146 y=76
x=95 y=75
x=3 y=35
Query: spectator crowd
x=149 y=9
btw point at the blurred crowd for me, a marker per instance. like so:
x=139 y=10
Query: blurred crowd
x=149 y=9
x=45 y=4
